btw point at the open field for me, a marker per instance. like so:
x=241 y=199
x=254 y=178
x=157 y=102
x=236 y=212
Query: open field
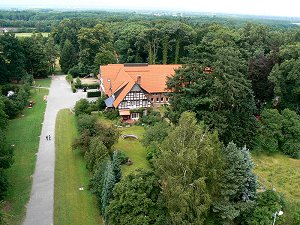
x=20 y=35
x=71 y=206
x=280 y=172
x=23 y=132
x=43 y=82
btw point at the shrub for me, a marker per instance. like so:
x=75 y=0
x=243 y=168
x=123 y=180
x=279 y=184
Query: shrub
x=152 y=118
x=111 y=114
x=87 y=122
x=73 y=88
x=78 y=83
x=69 y=78
x=123 y=157
x=81 y=107
x=76 y=71
x=91 y=86
x=92 y=94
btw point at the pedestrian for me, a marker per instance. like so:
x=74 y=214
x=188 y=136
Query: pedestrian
x=47 y=137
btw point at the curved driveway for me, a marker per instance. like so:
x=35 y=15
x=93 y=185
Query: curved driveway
x=40 y=206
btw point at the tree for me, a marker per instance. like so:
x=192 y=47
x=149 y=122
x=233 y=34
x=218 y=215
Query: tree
x=97 y=152
x=238 y=185
x=285 y=77
x=109 y=182
x=87 y=122
x=259 y=69
x=137 y=200
x=67 y=56
x=12 y=58
x=189 y=168
x=36 y=61
x=91 y=41
x=291 y=133
x=222 y=98
x=116 y=163
x=52 y=53
x=267 y=203
x=82 y=107
x=269 y=136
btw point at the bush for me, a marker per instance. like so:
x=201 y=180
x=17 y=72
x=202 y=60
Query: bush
x=111 y=114
x=152 y=118
x=122 y=156
x=76 y=71
x=92 y=94
x=82 y=106
x=73 y=88
x=86 y=122
x=69 y=78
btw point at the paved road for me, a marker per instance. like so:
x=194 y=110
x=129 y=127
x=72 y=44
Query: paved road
x=40 y=206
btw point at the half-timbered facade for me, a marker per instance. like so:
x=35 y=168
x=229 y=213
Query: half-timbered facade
x=134 y=86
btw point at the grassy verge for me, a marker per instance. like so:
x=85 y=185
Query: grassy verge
x=43 y=82
x=71 y=206
x=23 y=132
x=280 y=172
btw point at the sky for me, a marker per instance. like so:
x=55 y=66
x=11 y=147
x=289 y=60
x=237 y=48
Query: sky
x=289 y=8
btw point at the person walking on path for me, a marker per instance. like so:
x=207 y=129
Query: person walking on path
x=47 y=137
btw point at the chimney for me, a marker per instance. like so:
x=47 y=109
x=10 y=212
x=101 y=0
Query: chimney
x=139 y=80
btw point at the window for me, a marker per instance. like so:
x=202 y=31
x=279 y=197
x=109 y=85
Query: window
x=134 y=116
x=167 y=99
x=151 y=99
x=157 y=99
x=162 y=99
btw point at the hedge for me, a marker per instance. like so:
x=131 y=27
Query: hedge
x=93 y=94
x=88 y=86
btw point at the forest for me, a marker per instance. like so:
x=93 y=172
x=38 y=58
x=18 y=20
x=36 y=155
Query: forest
x=201 y=166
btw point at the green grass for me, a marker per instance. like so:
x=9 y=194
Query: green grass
x=134 y=149
x=71 y=206
x=43 y=82
x=21 y=35
x=281 y=172
x=23 y=132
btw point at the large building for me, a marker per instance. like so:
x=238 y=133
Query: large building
x=133 y=86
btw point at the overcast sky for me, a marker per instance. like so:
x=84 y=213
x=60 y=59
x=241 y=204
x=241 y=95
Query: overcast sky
x=252 y=7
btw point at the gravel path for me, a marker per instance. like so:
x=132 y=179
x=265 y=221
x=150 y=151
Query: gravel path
x=40 y=206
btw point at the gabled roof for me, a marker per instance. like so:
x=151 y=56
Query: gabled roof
x=152 y=78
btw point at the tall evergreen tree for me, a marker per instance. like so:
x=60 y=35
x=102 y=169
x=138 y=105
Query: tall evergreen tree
x=238 y=185
x=109 y=182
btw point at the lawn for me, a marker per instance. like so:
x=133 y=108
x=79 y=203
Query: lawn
x=280 y=172
x=134 y=149
x=71 y=206
x=23 y=133
x=43 y=82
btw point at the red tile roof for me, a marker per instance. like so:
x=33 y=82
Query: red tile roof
x=153 y=78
